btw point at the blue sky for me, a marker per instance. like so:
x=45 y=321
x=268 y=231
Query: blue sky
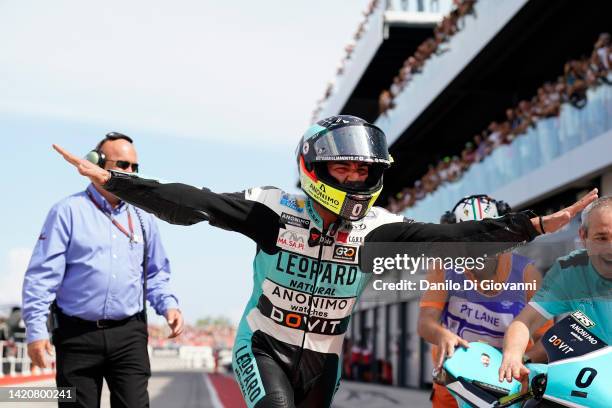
x=215 y=94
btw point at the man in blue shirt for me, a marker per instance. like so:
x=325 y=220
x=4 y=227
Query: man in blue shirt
x=580 y=281
x=89 y=260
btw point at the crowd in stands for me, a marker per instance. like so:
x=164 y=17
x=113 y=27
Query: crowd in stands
x=449 y=25
x=571 y=87
x=215 y=336
x=348 y=52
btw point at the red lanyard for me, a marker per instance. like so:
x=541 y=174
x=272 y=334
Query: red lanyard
x=130 y=234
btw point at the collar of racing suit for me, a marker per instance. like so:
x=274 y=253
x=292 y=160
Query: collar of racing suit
x=313 y=214
x=318 y=220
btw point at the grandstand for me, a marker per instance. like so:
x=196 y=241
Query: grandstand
x=545 y=61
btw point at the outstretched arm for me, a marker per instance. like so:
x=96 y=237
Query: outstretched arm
x=515 y=343
x=182 y=204
x=514 y=227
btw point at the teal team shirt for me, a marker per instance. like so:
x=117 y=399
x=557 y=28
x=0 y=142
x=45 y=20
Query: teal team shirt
x=571 y=284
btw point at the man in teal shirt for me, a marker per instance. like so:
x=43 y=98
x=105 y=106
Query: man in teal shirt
x=580 y=281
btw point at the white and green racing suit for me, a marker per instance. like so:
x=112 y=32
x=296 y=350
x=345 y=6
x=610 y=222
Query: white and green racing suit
x=306 y=279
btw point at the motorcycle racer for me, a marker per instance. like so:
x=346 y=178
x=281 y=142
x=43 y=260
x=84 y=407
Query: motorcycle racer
x=307 y=276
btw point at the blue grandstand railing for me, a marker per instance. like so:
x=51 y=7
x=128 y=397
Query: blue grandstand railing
x=550 y=139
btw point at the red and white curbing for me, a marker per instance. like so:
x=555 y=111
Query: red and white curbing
x=224 y=391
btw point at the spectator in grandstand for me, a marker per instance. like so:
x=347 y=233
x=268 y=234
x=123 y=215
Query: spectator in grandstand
x=405 y=73
x=546 y=103
x=370 y=8
x=410 y=196
x=552 y=93
x=592 y=72
x=88 y=266
x=360 y=30
x=385 y=101
x=329 y=89
x=442 y=169
x=525 y=117
x=576 y=86
x=514 y=121
x=599 y=63
x=396 y=87
x=403 y=199
x=466 y=7
x=339 y=69
x=427 y=48
x=483 y=145
x=602 y=51
x=560 y=87
x=430 y=180
x=446 y=323
x=455 y=169
x=350 y=47
x=419 y=56
x=439 y=35
x=394 y=205
x=596 y=70
x=455 y=19
x=415 y=65
x=469 y=154
x=448 y=27
x=419 y=192
x=496 y=136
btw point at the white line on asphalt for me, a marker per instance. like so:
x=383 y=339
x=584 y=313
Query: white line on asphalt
x=214 y=398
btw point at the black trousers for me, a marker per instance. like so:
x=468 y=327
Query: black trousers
x=85 y=355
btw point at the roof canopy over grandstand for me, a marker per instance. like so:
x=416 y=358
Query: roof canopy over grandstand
x=401 y=39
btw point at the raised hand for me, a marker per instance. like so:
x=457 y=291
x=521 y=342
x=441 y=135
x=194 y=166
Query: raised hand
x=558 y=220
x=86 y=168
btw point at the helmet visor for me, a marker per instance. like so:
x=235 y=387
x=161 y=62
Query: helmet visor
x=352 y=143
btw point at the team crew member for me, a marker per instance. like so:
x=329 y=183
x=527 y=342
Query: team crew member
x=580 y=281
x=306 y=272
x=88 y=262
x=448 y=319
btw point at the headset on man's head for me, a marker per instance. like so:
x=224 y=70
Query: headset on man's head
x=97 y=156
x=502 y=207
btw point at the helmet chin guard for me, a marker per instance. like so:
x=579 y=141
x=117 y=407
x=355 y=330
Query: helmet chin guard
x=350 y=206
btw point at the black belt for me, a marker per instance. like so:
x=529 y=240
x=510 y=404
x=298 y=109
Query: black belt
x=64 y=319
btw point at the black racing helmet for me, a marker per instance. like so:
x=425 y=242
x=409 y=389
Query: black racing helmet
x=342 y=138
